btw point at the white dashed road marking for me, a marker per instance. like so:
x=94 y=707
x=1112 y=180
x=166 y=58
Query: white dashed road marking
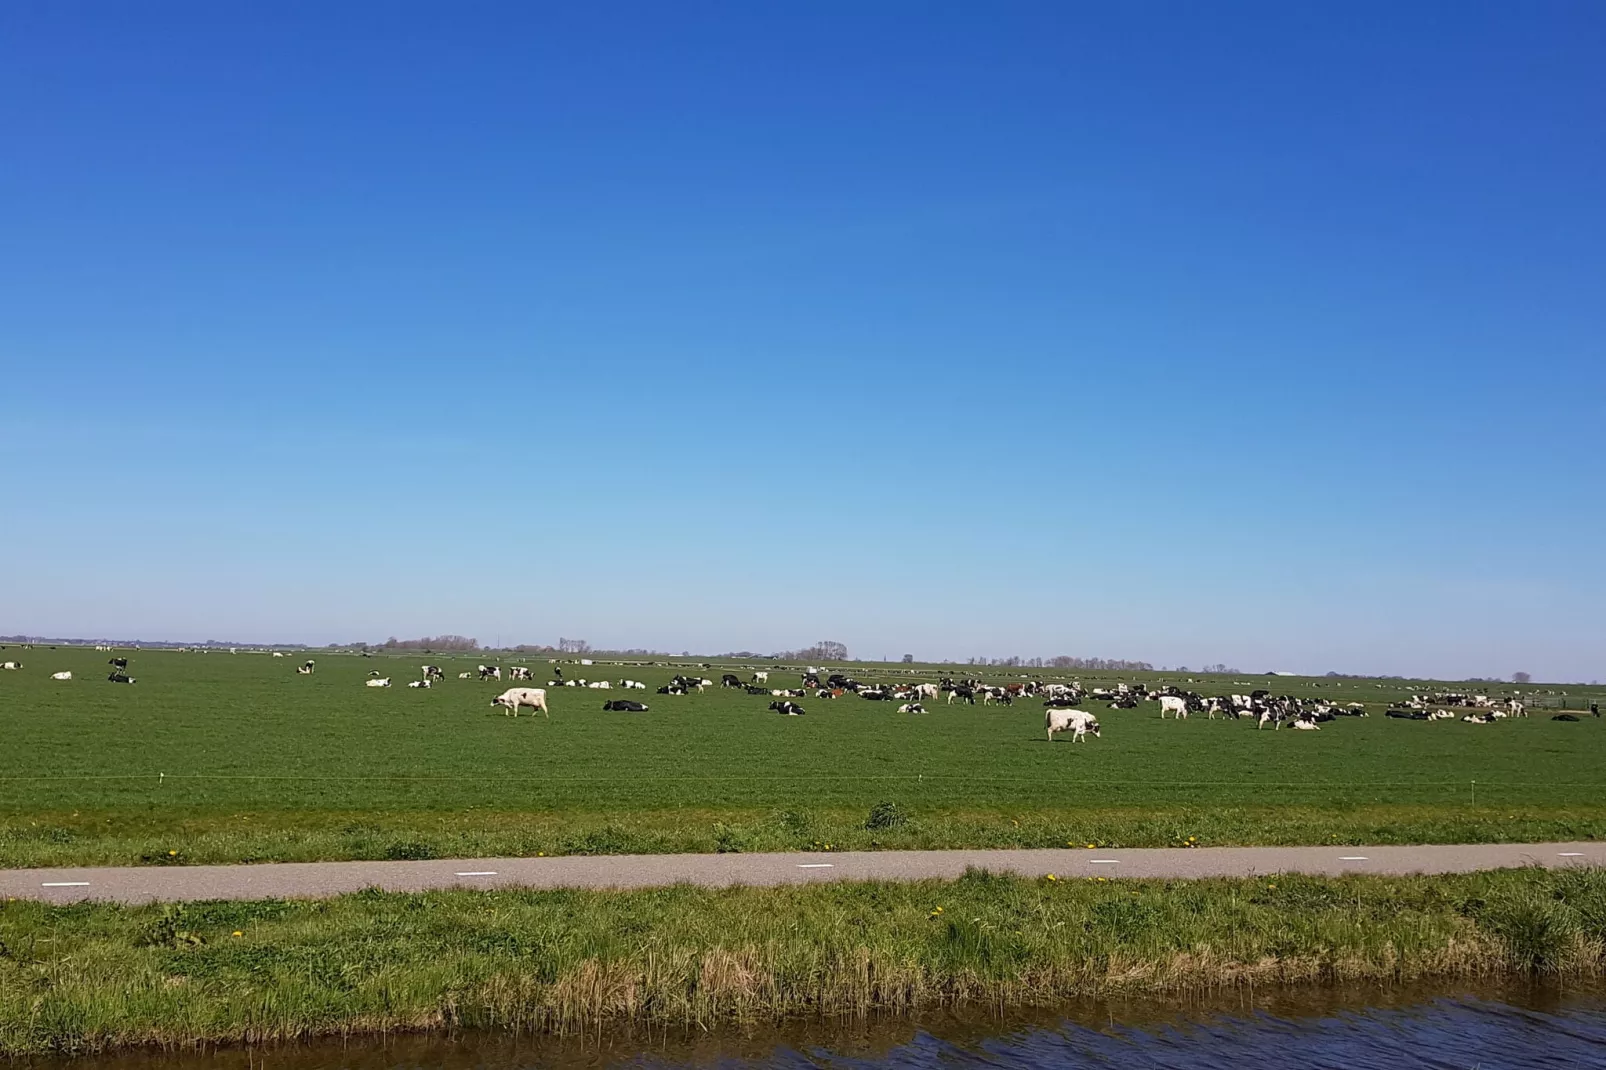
x=1570 y=854
x=479 y=873
x=65 y=884
x=1105 y=861
x=816 y=865
x=1353 y=858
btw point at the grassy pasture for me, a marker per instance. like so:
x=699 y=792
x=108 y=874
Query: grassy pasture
x=261 y=764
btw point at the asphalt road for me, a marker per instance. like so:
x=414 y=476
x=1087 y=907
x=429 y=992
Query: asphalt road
x=131 y=884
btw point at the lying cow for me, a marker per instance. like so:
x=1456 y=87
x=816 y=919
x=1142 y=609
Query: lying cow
x=382 y=681
x=420 y=683
x=514 y=697
x=787 y=709
x=911 y=707
x=624 y=705
x=61 y=676
x=120 y=678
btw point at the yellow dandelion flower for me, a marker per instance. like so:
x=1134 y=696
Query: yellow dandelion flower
x=238 y=933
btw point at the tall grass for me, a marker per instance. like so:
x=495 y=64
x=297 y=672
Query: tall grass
x=91 y=977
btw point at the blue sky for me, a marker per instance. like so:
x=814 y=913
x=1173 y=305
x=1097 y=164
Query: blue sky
x=1259 y=333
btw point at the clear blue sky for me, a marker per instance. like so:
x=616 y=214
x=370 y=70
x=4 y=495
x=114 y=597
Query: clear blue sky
x=1269 y=334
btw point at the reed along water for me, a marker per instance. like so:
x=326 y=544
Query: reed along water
x=1515 y=1026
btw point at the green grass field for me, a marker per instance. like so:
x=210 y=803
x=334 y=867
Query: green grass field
x=222 y=757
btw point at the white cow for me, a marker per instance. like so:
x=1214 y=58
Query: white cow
x=761 y=677
x=381 y=682
x=600 y=685
x=926 y=691
x=11 y=665
x=465 y=676
x=514 y=697
x=629 y=685
x=1078 y=722
x=1175 y=705
x=911 y=707
x=277 y=654
x=1306 y=726
x=61 y=676
x=419 y=683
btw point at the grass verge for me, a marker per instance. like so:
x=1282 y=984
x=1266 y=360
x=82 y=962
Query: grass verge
x=90 y=977
x=136 y=838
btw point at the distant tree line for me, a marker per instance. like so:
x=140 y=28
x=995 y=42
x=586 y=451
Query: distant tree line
x=446 y=644
x=824 y=650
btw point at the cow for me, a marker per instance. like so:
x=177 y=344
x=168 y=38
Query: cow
x=787 y=709
x=120 y=664
x=730 y=679
x=305 y=670
x=61 y=676
x=1306 y=726
x=1174 y=705
x=911 y=707
x=514 y=697
x=624 y=705
x=383 y=681
x=120 y=678
x=465 y=676
x=1078 y=722
x=420 y=683
x=490 y=672
x=629 y=685
x=1565 y=717
x=761 y=677
x=519 y=672
x=277 y=654
x=433 y=672
x=966 y=693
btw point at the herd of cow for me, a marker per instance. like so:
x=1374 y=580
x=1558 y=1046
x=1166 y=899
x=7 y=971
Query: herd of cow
x=1062 y=702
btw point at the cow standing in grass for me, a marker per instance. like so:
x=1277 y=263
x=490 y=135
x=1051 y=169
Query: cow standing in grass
x=514 y=697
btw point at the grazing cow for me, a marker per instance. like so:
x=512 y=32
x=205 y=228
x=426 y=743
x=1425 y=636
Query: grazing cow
x=514 y=697
x=304 y=670
x=519 y=672
x=118 y=663
x=787 y=709
x=911 y=707
x=730 y=679
x=1174 y=705
x=433 y=672
x=1516 y=709
x=380 y=682
x=61 y=676
x=120 y=678
x=926 y=691
x=968 y=694
x=1078 y=722
x=420 y=683
x=761 y=677
x=624 y=705
x=490 y=672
